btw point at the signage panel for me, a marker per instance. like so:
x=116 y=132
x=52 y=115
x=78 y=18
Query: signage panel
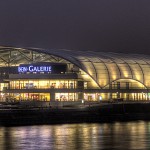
x=32 y=68
x=54 y=68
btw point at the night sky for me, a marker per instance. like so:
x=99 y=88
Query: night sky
x=102 y=25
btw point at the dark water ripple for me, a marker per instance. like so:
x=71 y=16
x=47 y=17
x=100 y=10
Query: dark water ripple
x=124 y=135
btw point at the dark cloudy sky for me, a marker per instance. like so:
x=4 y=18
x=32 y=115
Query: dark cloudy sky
x=103 y=25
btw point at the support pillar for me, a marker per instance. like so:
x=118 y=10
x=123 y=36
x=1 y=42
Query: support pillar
x=118 y=95
x=52 y=96
x=110 y=96
x=80 y=96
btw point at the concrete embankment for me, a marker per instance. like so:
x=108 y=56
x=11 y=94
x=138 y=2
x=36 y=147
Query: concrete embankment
x=84 y=113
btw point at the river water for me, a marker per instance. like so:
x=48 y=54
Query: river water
x=118 y=135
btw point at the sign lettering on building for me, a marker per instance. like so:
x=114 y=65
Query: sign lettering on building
x=31 y=68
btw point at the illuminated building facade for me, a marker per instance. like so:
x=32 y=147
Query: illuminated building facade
x=65 y=75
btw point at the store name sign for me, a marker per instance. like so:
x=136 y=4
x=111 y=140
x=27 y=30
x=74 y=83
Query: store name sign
x=31 y=68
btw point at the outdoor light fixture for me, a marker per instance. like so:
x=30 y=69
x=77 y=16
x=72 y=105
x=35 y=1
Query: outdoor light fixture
x=100 y=98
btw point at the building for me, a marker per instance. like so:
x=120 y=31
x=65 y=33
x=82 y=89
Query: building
x=65 y=75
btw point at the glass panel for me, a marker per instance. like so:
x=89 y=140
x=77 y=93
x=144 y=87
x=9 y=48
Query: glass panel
x=66 y=96
x=125 y=71
x=137 y=72
x=114 y=71
x=90 y=69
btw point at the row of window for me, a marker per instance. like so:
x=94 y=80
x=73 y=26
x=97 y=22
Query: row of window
x=72 y=96
x=43 y=84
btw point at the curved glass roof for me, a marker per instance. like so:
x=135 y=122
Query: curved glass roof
x=103 y=67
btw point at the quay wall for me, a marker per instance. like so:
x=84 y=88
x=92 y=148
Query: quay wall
x=97 y=113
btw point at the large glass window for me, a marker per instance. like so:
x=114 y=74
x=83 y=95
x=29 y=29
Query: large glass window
x=30 y=96
x=66 y=97
x=43 y=84
x=90 y=96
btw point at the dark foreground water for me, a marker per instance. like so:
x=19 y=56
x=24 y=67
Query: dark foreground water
x=124 y=135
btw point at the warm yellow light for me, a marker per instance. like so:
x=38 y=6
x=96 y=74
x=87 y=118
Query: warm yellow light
x=138 y=77
x=126 y=75
x=114 y=77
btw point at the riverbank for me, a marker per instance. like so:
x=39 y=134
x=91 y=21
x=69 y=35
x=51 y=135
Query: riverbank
x=106 y=112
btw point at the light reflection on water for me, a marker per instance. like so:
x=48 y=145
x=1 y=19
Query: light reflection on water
x=124 y=135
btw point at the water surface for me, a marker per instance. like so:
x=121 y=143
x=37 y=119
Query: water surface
x=124 y=135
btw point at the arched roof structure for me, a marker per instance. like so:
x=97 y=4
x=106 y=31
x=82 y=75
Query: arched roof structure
x=102 y=67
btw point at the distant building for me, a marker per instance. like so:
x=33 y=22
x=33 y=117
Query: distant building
x=66 y=75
